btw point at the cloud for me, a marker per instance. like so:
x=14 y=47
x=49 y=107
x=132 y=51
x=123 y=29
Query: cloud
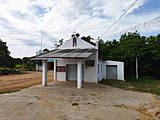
x=39 y=10
x=23 y=22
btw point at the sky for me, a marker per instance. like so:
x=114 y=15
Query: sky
x=24 y=23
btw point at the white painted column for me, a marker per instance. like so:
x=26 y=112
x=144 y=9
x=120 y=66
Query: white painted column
x=55 y=70
x=136 y=68
x=96 y=66
x=79 y=74
x=37 y=66
x=44 y=72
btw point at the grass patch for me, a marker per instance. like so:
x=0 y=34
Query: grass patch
x=147 y=85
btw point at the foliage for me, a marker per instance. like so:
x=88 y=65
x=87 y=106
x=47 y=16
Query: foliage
x=5 y=59
x=28 y=64
x=45 y=50
x=88 y=39
x=18 y=61
x=24 y=64
x=6 y=71
x=61 y=41
x=20 y=67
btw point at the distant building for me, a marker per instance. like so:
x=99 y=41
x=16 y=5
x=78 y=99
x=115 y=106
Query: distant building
x=50 y=62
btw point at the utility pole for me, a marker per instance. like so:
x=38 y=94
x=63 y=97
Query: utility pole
x=41 y=43
x=136 y=68
x=74 y=31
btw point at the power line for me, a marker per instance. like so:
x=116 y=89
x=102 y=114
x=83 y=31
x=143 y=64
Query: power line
x=21 y=44
x=119 y=18
x=24 y=44
x=145 y=24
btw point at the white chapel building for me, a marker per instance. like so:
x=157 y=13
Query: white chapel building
x=78 y=60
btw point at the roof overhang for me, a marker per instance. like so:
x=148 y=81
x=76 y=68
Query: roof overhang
x=65 y=54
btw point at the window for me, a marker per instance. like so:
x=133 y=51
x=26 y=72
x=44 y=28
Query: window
x=98 y=68
x=74 y=41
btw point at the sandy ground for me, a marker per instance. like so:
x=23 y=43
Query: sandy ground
x=16 y=82
x=63 y=101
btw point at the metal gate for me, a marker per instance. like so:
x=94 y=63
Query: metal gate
x=71 y=73
x=111 y=72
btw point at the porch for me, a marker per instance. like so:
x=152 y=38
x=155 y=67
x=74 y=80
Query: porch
x=65 y=57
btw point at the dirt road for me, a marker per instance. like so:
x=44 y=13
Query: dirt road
x=9 y=83
x=63 y=101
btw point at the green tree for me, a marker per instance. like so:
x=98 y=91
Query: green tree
x=5 y=59
x=131 y=49
x=29 y=64
x=152 y=59
x=88 y=39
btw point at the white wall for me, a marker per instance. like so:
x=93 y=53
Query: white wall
x=38 y=67
x=90 y=73
x=80 y=44
x=100 y=74
x=120 y=68
x=61 y=76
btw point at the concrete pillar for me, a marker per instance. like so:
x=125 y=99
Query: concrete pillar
x=96 y=60
x=79 y=74
x=55 y=70
x=37 y=66
x=44 y=72
x=96 y=66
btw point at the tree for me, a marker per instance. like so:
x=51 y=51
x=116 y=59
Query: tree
x=5 y=59
x=108 y=49
x=29 y=65
x=61 y=41
x=132 y=48
x=152 y=60
x=46 y=50
x=88 y=39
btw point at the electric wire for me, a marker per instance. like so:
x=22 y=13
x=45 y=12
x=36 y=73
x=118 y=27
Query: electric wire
x=150 y=23
x=119 y=18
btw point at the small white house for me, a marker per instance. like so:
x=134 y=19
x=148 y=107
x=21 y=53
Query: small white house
x=77 y=60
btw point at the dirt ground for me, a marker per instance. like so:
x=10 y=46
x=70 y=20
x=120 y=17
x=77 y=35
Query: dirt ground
x=9 y=83
x=63 y=101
